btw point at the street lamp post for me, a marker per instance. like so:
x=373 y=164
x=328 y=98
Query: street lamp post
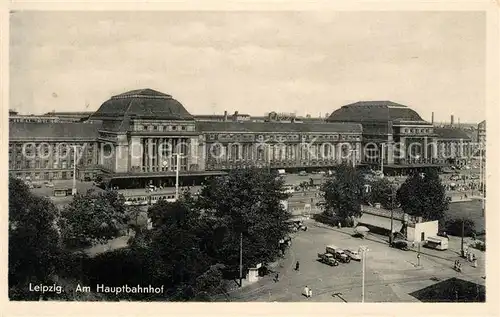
x=241 y=258
x=393 y=199
x=462 y=241
x=353 y=157
x=363 y=250
x=382 y=160
x=177 y=164
x=418 y=254
x=73 y=190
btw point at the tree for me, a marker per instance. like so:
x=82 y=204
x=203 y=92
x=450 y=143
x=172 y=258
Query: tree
x=381 y=192
x=342 y=193
x=33 y=240
x=176 y=243
x=93 y=218
x=453 y=226
x=423 y=195
x=138 y=219
x=245 y=202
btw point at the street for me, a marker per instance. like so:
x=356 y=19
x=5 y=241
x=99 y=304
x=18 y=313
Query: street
x=391 y=274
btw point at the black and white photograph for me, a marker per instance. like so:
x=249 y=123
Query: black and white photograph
x=248 y=156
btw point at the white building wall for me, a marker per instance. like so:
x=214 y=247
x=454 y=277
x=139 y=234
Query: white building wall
x=429 y=229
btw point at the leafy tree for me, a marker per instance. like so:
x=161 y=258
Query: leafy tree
x=454 y=227
x=93 y=218
x=175 y=241
x=342 y=193
x=381 y=192
x=138 y=219
x=245 y=202
x=33 y=240
x=423 y=195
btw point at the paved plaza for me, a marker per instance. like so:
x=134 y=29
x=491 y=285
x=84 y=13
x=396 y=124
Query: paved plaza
x=390 y=276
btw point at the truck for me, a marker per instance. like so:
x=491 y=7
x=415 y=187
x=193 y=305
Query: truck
x=338 y=253
x=327 y=258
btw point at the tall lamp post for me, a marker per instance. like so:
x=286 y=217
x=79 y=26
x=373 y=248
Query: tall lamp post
x=382 y=160
x=353 y=155
x=393 y=200
x=177 y=166
x=362 y=250
x=73 y=190
x=241 y=258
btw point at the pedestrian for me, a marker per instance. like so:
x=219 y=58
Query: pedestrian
x=277 y=277
x=305 y=292
x=297 y=266
x=474 y=263
x=310 y=293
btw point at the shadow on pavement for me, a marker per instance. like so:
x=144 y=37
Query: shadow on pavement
x=451 y=290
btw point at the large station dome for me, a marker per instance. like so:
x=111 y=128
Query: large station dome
x=142 y=104
x=374 y=111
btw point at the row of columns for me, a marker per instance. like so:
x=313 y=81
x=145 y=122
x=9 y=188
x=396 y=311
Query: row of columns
x=283 y=152
x=157 y=155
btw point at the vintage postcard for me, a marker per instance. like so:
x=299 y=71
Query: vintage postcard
x=249 y=156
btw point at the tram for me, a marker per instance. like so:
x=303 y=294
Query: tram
x=147 y=199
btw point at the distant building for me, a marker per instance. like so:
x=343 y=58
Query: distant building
x=131 y=138
x=236 y=117
x=481 y=133
x=454 y=145
x=42 y=151
x=387 y=124
x=481 y=136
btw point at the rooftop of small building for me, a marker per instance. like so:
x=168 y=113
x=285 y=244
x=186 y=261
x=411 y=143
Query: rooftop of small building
x=451 y=133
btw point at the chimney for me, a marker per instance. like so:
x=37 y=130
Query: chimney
x=432 y=118
x=452 y=120
x=225 y=115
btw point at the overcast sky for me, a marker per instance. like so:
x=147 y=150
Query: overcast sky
x=253 y=62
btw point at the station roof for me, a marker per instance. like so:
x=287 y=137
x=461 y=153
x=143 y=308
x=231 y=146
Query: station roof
x=451 y=134
x=375 y=111
x=142 y=104
x=278 y=127
x=58 y=130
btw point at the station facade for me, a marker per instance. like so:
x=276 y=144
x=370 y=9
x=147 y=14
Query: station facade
x=140 y=137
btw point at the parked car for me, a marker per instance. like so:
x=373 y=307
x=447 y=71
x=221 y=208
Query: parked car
x=302 y=173
x=300 y=226
x=327 y=258
x=342 y=256
x=50 y=185
x=400 y=244
x=353 y=254
x=338 y=253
